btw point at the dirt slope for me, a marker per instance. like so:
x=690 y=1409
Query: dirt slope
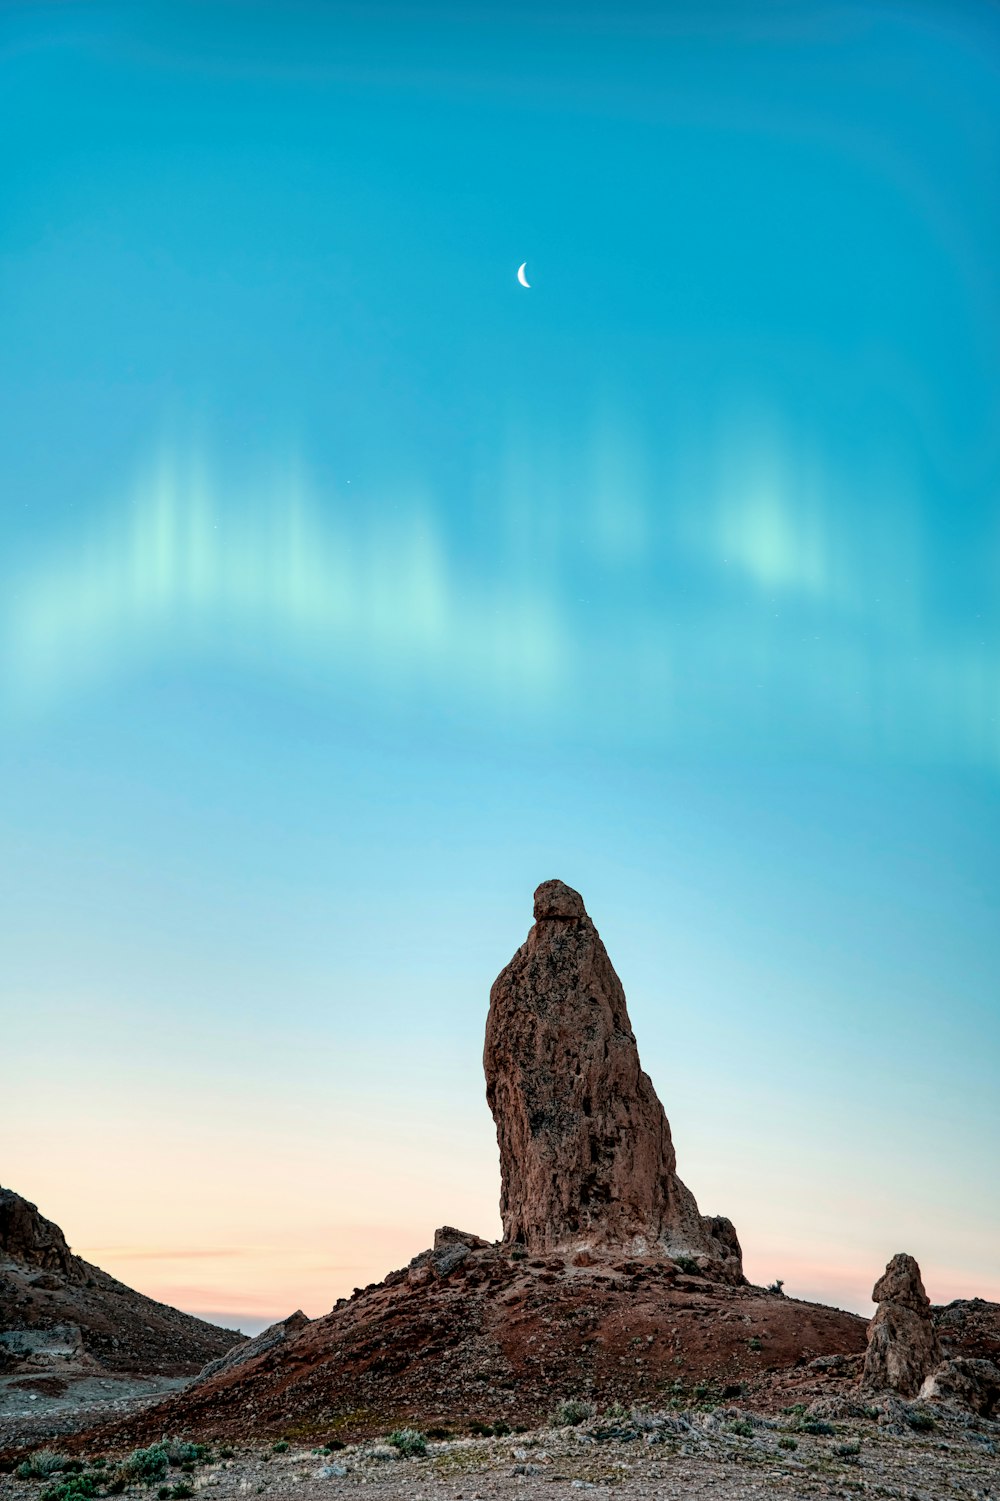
x=489 y=1336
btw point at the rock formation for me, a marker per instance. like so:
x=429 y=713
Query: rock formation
x=903 y=1346
x=275 y=1334
x=28 y=1238
x=586 y=1157
x=974 y=1384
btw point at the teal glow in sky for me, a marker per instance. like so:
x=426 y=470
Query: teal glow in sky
x=348 y=589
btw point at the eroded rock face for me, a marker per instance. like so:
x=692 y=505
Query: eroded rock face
x=903 y=1346
x=28 y=1238
x=586 y=1156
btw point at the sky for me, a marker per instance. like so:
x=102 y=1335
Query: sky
x=348 y=589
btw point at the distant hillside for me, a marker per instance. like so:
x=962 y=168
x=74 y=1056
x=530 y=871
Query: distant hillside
x=59 y=1314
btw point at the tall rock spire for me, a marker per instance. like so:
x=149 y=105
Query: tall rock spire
x=586 y=1156
x=903 y=1345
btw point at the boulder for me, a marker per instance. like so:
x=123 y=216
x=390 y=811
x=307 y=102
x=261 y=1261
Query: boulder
x=974 y=1384
x=586 y=1156
x=903 y=1346
x=447 y=1235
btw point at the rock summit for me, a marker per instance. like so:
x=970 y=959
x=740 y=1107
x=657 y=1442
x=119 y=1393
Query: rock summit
x=586 y=1156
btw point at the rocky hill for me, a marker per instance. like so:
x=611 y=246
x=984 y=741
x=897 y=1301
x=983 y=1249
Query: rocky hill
x=61 y=1316
x=476 y=1333
x=609 y=1283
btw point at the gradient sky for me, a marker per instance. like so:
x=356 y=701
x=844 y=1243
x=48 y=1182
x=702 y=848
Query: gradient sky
x=348 y=590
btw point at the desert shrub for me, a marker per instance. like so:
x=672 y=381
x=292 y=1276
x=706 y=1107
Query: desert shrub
x=572 y=1412
x=818 y=1426
x=920 y=1422
x=163 y=1494
x=144 y=1465
x=479 y=1429
x=187 y=1455
x=754 y=1343
x=848 y=1450
x=226 y=1452
x=687 y=1264
x=518 y=1253
x=788 y=1443
x=796 y=1410
x=741 y=1428
x=776 y=1285
x=181 y=1491
x=42 y=1464
x=409 y=1442
x=280 y=1446
x=73 y=1488
x=438 y=1433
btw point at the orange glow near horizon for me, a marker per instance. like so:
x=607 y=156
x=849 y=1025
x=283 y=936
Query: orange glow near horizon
x=263 y=1283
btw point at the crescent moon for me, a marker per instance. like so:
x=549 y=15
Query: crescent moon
x=521 y=276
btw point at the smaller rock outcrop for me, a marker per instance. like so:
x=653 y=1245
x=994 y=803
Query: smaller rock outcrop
x=447 y=1235
x=903 y=1346
x=267 y=1339
x=972 y=1384
x=28 y=1238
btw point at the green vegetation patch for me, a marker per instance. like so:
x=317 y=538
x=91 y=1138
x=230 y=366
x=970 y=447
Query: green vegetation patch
x=409 y=1442
x=74 y=1488
x=43 y=1463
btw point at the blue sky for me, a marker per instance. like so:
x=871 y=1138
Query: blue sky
x=347 y=590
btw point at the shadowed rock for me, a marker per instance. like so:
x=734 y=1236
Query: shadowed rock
x=972 y=1384
x=267 y=1339
x=28 y=1238
x=903 y=1346
x=586 y=1156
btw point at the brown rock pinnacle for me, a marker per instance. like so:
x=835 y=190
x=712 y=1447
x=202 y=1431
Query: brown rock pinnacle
x=902 y=1344
x=586 y=1156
